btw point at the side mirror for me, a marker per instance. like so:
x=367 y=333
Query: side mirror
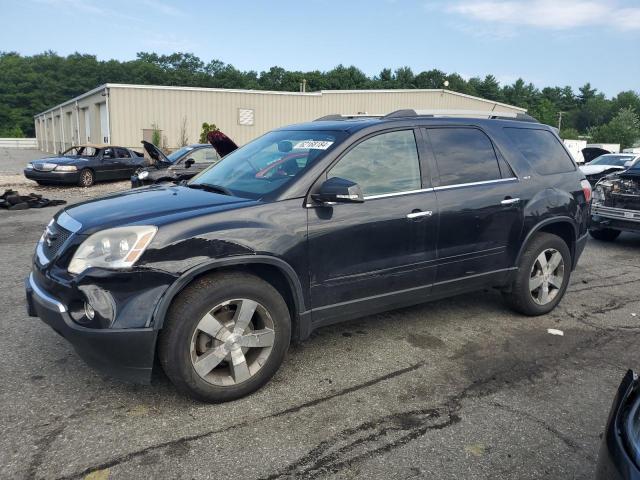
x=188 y=162
x=338 y=190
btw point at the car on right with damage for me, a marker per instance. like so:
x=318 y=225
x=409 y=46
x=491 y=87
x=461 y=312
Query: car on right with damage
x=604 y=165
x=616 y=205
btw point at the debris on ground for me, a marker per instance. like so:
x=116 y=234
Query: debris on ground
x=554 y=331
x=12 y=200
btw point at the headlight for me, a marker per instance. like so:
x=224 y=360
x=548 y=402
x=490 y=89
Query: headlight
x=29 y=166
x=142 y=175
x=65 y=168
x=112 y=248
x=598 y=195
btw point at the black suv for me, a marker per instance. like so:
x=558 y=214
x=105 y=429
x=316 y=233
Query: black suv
x=306 y=226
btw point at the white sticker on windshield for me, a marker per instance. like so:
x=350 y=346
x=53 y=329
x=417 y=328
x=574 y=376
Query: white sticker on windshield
x=313 y=144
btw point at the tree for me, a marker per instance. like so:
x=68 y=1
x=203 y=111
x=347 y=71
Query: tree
x=206 y=128
x=184 y=138
x=624 y=129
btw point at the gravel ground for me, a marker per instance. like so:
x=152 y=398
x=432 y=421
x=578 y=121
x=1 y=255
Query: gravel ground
x=460 y=388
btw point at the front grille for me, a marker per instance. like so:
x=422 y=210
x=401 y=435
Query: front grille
x=54 y=238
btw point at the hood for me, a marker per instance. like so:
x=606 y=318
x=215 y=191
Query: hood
x=48 y=164
x=155 y=153
x=148 y=205
x=221 y=143
x=591 y=153
x=596 y=169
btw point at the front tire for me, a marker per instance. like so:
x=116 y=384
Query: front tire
x=87 y=178
x=542 y=277
x=224 y=337
x=605 y=234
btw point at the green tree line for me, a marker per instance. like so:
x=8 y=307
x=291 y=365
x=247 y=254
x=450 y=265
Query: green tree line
x=31 y=84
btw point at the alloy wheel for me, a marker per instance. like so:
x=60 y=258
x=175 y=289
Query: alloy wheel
x=232 y=342
x=547 y=276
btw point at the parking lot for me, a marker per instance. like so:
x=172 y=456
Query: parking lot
x=459 y=388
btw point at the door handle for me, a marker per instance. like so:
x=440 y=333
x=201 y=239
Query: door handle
x=426 y=213
x=509 y=201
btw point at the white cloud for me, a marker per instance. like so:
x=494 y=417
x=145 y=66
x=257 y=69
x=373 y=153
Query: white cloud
x=550 y=14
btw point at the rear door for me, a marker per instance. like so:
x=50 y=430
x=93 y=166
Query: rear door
x=371 y=256
x=481 y=212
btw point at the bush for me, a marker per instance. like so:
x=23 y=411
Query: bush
x=206 y=128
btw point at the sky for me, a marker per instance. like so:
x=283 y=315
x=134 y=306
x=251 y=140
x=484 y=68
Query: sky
x=546 y=42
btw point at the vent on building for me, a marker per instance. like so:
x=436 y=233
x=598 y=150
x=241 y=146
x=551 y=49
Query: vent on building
x=245 y=116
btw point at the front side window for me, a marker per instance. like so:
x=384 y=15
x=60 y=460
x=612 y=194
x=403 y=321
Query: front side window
x=203 y=155
x=542 y=149
x=270 y=162
x=122 y=153
x=386 y=163
x=463 y=155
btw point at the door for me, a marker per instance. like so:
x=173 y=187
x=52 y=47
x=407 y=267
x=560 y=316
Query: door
x=104 y=123
x=480 y=209
x=372 y=256
x=110 y=166
x=87 y=125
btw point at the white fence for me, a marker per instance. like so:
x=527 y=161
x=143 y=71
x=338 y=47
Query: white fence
x=18 y=143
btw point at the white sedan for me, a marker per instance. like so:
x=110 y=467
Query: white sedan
x=606 y=164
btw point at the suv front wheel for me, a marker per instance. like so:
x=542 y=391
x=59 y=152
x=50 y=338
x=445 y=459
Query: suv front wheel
x=224 y=337
x=542 y=277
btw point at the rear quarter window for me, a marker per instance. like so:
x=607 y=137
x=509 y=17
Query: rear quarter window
x=542 y=149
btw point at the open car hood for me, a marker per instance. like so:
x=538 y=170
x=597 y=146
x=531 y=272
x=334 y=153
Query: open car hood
x=590 y=153
x=155 y=153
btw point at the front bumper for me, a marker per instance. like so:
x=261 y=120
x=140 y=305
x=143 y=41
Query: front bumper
x=127 y=354
x=615 y=218
x=52 y=176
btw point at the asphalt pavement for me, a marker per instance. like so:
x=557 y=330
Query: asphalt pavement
x=459 y=388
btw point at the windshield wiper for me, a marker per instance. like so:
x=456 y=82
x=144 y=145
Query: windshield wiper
x=209 y=187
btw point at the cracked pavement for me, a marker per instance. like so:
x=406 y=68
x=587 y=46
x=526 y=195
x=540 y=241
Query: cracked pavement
x=459 y=388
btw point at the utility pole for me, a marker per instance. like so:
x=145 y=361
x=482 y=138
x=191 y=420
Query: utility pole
x=560 y=120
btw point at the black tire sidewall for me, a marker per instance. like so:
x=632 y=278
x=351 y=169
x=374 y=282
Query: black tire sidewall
x=524 y=301
x=183 y=317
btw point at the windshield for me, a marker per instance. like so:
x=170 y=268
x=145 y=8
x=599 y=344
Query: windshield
x=83 y=151
x=178 y=154
x=269 y=162
x=616 y=160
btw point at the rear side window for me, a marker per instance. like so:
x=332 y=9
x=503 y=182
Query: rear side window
x=463 y=155
x=542 y=149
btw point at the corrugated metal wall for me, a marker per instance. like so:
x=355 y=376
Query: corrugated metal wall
x=133 y=108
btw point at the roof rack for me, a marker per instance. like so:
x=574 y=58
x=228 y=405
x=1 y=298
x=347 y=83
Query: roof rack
x=339 y=116
x=504 y=115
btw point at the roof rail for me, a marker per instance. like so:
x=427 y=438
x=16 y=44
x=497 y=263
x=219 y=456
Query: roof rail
x=339 y=116
x=503 y=114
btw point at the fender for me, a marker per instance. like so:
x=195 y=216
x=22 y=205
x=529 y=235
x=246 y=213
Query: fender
x=548 y=221
x=160 y=311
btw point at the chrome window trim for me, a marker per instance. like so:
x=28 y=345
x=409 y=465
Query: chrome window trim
x=67 y=222
x=395 y=194
x=471 y=184
x=44 y=297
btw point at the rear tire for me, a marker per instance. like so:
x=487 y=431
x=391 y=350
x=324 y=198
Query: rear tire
x=542 y=277
x=87 y=178
x=224 y=337
x=605 y=234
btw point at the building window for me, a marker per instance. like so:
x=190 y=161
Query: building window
x=245 y=116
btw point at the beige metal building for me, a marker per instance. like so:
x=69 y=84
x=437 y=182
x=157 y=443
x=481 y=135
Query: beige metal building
x=124 y=114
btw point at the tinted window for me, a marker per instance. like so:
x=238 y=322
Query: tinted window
x=463 y=155
x=542 y=149
x=122 y=153
x=386 y=163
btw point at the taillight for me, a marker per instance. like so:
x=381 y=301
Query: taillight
x=586 y=189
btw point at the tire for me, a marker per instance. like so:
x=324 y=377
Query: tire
x=521 y=297
x=87 y=178
x=191 y=341
x=605 y=234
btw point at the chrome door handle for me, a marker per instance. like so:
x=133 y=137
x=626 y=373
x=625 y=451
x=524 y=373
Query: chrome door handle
x=509 y=201
x=426 y=213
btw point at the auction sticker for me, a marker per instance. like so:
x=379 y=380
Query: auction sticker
x=313 y=144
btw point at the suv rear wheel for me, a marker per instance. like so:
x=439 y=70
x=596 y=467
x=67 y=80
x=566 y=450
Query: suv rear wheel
x=605 y=234
x=542 y=277
x=224 y=337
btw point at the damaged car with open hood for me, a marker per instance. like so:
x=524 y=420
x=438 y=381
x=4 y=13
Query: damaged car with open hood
x=616 y=205
x=184 y=163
